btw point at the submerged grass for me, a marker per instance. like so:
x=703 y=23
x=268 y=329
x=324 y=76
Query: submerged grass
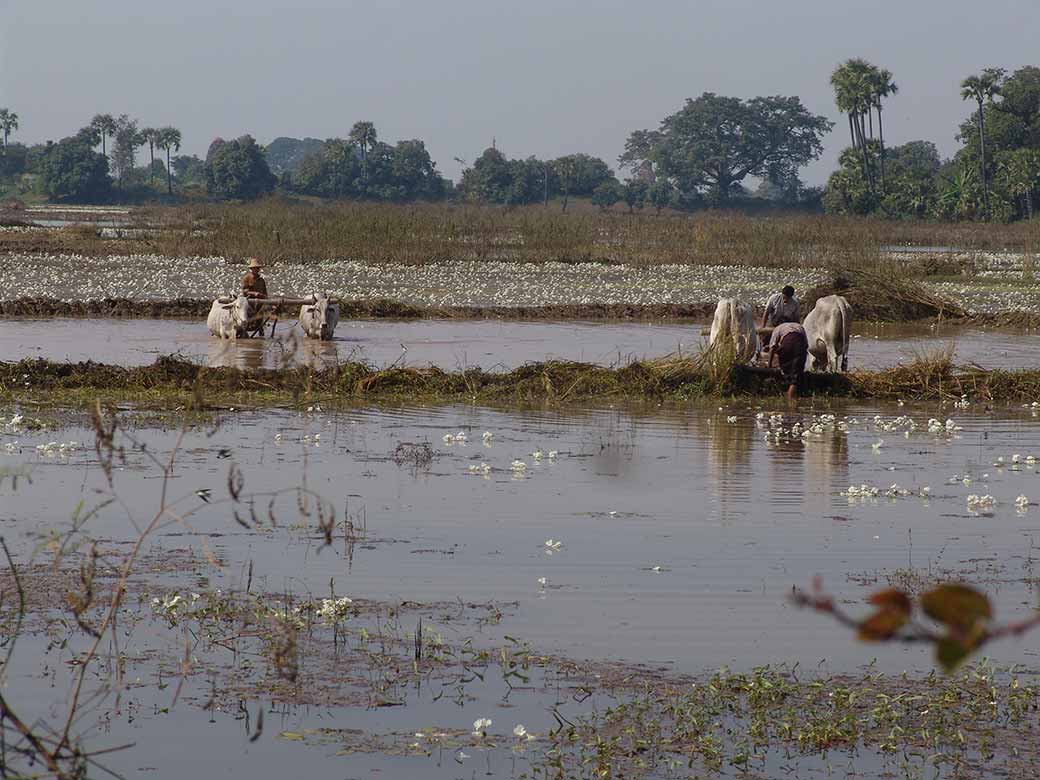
x=172 y=381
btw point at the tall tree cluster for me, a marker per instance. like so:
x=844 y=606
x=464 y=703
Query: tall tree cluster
x=494 y=178
x=860 y=89
x=995 y=175
x=363 y=167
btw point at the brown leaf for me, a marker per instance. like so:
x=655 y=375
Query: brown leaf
x=882 y=625
x=961 y=607
x=891 y=598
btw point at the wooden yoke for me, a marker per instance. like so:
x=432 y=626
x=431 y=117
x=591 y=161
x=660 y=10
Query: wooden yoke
x=279 y=301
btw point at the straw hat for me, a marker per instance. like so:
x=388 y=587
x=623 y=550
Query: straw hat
x=254 y=263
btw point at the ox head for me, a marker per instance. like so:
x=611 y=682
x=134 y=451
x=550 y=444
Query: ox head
x=239 y=309
x=319 y=308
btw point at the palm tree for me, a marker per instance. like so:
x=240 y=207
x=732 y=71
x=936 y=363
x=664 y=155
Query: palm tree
x=883 y=87
x=364 y=135
x=853 y=93
x=982 y=88
x=167 y=138
x=150 y=135
x=105 y=125
x=8 y=124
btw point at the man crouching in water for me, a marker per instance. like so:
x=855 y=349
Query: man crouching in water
x=254 y=287
x=789 y=347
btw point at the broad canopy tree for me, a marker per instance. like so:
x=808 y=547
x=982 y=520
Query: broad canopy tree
x=713 y=143
x=72 y=170
x=237 y=169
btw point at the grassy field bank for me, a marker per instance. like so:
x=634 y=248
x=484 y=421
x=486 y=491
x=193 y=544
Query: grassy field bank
x=278 y=229
x=172 y=382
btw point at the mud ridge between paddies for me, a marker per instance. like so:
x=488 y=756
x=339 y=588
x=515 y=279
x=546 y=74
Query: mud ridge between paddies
x=378 y=308
x=172 y=381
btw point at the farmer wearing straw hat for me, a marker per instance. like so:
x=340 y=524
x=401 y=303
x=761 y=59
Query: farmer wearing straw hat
x=254 y=286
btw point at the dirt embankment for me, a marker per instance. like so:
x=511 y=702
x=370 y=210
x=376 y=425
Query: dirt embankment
x=361 y=309
x=174 y=381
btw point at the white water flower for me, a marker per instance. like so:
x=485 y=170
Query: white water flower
x=480 y=727
x=334 y=610
x=543 y=581
x=520 y=732
x=518 y=465
x=1022 y=502
x=977 y=502
x=553 y=544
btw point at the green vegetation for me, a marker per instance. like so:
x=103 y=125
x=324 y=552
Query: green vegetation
x=995 y=175
x=937 y=727
x=237 y=169
x=172 y=381
x=713 y=143
x=8 y=124
x=71 y=170
x=698 y=157
x=494 y=178
x=364 y=168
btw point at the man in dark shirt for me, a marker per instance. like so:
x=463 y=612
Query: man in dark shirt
x=789 y=346
x=254 y=287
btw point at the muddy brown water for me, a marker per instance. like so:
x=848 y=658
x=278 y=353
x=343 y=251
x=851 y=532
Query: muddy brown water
x=681 y=531
x=451 y=345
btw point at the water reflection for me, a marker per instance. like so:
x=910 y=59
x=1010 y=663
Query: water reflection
x=281 y=352
x=729 y=447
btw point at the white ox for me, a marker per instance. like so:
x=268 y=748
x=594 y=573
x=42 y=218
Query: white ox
x=319 y=319
x=227 y=318
x=828 y=328
x=735 y=322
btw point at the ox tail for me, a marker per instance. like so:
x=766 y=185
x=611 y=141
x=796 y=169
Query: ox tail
x=844 y=339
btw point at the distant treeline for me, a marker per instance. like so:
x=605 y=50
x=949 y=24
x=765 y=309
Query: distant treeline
x=698 y=157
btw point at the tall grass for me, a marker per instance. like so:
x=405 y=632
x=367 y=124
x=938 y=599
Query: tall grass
x=277 y=229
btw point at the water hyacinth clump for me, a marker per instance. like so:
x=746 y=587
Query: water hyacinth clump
x=173 y=605
x=334 y=610
x=60 y=449
x=864 y=491
x=981 y=503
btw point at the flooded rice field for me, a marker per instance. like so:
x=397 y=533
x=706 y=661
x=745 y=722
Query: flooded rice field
x=457 y=344
x=998 y=285
x=552 y=569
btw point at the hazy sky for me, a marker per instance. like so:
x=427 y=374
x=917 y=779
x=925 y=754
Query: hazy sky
x=543 y=77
